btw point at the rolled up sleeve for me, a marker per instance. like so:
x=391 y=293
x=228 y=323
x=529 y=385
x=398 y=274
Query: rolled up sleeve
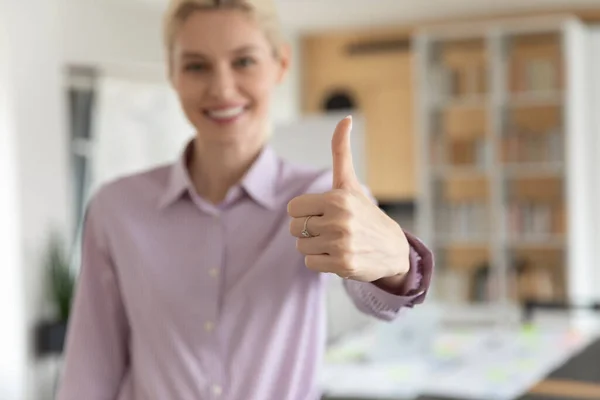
x=96 y=355
x=383 y=305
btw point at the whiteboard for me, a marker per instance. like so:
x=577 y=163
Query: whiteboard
x=307 y=141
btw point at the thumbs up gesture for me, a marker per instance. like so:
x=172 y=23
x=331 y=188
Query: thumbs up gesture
x=342 y=231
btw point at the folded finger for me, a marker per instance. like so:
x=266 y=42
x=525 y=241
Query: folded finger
x=312 y=246
x=314 y=225
x=319 y=263
x=306 y=204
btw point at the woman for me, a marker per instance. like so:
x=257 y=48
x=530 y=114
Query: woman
x=205 y=279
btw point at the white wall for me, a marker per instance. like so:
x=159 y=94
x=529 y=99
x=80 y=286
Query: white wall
x=287 y=102
x=594 y=53
x=13 y=346
x=311 y=15
x=101 y=32
x=124 y=39
x=35 y=176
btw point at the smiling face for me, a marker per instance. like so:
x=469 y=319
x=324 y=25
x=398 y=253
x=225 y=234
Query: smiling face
x=225 y=70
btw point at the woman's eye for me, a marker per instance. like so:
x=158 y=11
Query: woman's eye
x=195 y=67
x=244 y=62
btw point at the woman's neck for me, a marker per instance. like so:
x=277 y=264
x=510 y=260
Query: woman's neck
x=215 y=168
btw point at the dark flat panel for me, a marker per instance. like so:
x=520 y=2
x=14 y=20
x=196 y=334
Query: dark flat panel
x=379 y=46
x=539 y=397
x=583 y=367
x=438 y=398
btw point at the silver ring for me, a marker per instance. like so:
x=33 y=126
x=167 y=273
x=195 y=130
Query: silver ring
x=305 y=233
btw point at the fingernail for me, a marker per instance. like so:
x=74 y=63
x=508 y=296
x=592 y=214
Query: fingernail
x=349 y=117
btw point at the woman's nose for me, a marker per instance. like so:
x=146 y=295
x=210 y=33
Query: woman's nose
x=222 y=83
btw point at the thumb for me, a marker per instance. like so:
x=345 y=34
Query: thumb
x=344 y=176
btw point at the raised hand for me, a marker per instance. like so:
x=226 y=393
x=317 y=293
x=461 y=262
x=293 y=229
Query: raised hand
x=342 y=231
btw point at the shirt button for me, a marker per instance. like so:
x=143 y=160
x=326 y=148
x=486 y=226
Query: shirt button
x=213 y=272
x=217 y=390
x=209 y=326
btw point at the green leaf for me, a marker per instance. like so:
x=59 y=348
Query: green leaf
x=62 y=280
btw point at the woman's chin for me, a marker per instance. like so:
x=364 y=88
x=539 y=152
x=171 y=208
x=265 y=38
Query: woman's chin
x=228 y=134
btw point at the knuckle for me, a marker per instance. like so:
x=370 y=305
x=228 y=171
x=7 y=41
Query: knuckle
x=340 y=199
x=341 y=247
x=342 y=228
x=346 y=261
x=346 y=265
x=336 y=247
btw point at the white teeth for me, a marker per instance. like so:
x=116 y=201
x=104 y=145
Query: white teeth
x=226 y=113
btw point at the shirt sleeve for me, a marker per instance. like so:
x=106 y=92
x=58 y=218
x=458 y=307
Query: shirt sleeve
x=378 y=303
x=96 y=344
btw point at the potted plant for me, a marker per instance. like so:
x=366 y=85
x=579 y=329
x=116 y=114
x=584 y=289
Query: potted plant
x=51 y=333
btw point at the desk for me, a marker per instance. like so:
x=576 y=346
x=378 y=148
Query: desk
x=578 y=379
x=515 y=369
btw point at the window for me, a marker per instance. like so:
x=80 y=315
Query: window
x=80 y=92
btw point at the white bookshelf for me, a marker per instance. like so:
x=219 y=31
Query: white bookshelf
x=505 y=161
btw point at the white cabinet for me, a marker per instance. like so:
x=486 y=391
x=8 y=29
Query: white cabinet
x=506 y=160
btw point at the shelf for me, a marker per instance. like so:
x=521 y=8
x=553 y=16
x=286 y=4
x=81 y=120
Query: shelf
x=534 y=170
x=460 y=172
x=495 y=136
x=536 y=99
x=538 y=242
x=465 y=101
x=530 y=242
x=457 y=242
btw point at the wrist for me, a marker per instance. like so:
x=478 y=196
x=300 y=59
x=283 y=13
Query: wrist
x=393 y=284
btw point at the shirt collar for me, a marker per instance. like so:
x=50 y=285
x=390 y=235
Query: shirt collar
x=261 y=179
x=259 y=182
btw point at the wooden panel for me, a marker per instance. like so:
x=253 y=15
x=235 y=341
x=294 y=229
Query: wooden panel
x=537 y=119
x=567 y=389
x=467 y=257
x=462 y=54
x=538 y=189
x=382 y=86
x=390 y=143
x=548 y=258
x=458 y=189
x=463 y=122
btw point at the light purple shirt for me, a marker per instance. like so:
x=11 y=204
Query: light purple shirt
x=182 y=300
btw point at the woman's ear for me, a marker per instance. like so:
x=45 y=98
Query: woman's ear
x=284 y=58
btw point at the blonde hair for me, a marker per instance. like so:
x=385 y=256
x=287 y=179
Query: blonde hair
x=264 y=12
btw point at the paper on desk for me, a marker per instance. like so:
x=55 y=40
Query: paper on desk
x=394 y=381
x=506 y=370
x=465 y=365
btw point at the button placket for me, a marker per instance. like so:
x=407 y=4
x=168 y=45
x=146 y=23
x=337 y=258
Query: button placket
x=214 y=275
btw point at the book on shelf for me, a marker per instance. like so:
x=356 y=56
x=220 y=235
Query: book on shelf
x=534 y=220
x=536 y=75
x=540 y=75
x=467 y=220
x=534 y=147
x=461 y=153
x=450 y=83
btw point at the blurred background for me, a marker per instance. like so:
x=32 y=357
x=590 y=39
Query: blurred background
x=478 y=129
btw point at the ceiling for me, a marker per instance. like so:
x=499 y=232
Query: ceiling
x=309 y=15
